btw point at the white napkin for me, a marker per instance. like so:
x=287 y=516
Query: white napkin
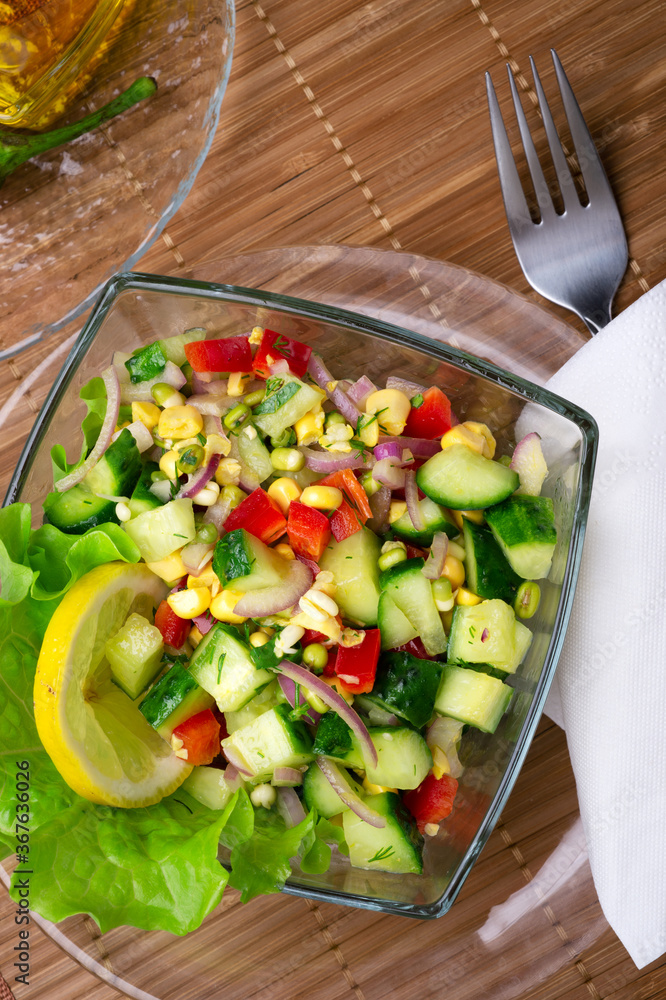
x=610 y=687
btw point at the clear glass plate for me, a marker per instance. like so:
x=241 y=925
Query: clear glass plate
x=501 y=936
x=71 y=218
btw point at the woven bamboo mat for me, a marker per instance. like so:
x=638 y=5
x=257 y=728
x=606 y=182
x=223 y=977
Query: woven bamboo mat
x=366 y=124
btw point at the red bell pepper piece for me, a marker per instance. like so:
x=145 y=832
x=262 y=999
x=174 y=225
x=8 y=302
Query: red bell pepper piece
x=174 y=630
x=432 y=801
x=354 y=510
x=260 y=515
x=230 y=354
x=356 y=666
x=431 y=418
x=308 y=530
x=201 y=737
x=276 y=347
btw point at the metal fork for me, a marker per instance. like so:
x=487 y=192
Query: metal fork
x=576 y=258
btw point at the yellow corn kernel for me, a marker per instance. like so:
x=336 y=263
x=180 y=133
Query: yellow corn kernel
x=205 y=579
x=178 y=422
x=368 y=429
x=195 y=637
x=440 y=763
x=330 y=627
x=337 y=685
x=467 y=597
x=222 y=607
x=392 y=408
x=169 y=569
x=309 y=428
x=454 y=571
x=259 y=638
x=476 y=516
x=168 y=463
x=461 y=434
x=484 y=431
x=285 y=550
x=283 y=491
x=322 y=497
x=318 y=605
x=189 y=603
x=237 y=382
x=257 y=335
x=216 y=444
x=396 y=510
x=228 y=472
x=372 y=789
x=147 y=413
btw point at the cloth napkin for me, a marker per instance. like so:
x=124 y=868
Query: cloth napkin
x=609 y=692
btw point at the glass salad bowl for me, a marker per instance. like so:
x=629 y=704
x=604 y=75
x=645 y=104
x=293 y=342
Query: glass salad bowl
x=136 y=309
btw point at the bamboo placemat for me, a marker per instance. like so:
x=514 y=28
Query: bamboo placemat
x=366 y=124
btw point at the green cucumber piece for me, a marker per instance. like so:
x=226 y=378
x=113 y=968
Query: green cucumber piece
x=253 y=453
x=397 y=847
x=353 y=563
x=157 y=533
x=486 y=633
x=222 y=665
x=435 y=518
x=134 y=654
x=395 y=628
x=272 y=740
x=174 y=347
x=461 y=479
x=336 y=741
x=142 y=499
x=208 y=786
x=411 y=592
x=406 y=686
x=267 y=699
x=173 y=699
x=287 y=399
x=243 y=562
x=403 y=757
x=487 y=571
x=524 y=527
x=320 y=795
x=472 y=697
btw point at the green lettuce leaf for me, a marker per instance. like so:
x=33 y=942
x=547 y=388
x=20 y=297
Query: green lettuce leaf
x=318 y=859
x=61 y=559
x=154 y=868
x=16 y=576
x=261 y=864
x=93 y=393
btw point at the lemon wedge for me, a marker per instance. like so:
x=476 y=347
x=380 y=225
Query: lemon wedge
x=94 y=733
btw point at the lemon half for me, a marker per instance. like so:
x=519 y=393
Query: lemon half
x=94 y=733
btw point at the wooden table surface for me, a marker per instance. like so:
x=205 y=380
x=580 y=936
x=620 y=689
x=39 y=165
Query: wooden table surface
x=366 y=124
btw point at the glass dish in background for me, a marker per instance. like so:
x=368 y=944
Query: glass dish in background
x=137 y=309
x=72 y=217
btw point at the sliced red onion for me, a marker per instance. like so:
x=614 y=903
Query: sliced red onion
x=380 y=505
x=334 y=701
x=287 y=777
x=289 y=690
x=529 y=463
x=199 y=479
x=484 y=635
x=359 y=391
x=326 y=461
x=389 y=474
x=410 y=389
x=203 y=382
x=340 y=784
x=110 y=379
x=419 y=447
x=280 y=367
x=232 y=777
x=290 y=807
x=162 y=489
x=388 y=449
x=320 y=373
x=270 y=600
x=310 y=563
x=181 y=585
x=235 y=758
x=196 y=556
x=434 y=564
x=213 y=406
x=412 y=500
x=445 y=734
x=204 y=622
x=217 y=514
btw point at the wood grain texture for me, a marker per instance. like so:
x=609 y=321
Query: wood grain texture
x=366 y=124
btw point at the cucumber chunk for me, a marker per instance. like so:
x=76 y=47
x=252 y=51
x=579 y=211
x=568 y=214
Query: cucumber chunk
x=486 y=568
x=134 y=654
x=157 y=533
x=174 y=347
x=287 y=399
x=435 y=518
x=334 y=739
x=472 y=697
x=524 y=527
x=318 y=793
x=411 y=592
x=353 y=563
x=403 y=757
x=273 y=740
x=459 y=478
x=174 y=698
x=406 y=686
x=395 y=628
x=222 y=665
x=267 y=699
x=487 y=633
x=243 y=562
x=397 y=848
x=208 y=786
x=142 y=498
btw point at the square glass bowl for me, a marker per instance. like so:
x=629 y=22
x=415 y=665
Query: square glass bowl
x=136 y=309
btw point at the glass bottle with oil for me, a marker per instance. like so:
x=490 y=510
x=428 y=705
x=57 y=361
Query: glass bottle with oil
x=47 y=49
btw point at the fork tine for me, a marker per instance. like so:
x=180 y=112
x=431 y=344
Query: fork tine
x=564 y=177
x=591 y=167
x=538 y=180
x=515 y=203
